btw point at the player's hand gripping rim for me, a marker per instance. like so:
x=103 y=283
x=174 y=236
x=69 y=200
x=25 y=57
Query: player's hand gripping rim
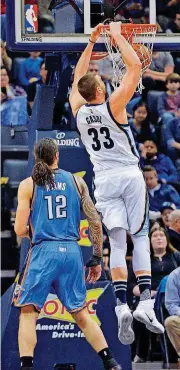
x=96 y=32
x=115 y=29
x=94 y=266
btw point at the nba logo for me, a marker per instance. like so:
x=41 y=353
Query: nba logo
x=31 y=18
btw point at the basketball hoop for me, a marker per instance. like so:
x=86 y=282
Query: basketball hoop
x=141 y=37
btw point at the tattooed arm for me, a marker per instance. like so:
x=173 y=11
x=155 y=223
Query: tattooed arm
x=95 y=226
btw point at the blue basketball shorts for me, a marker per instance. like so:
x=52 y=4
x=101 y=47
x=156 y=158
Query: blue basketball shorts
x=52 y=264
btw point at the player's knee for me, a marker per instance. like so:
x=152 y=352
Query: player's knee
x=141 y=240
x=82 y=318
x=28 y=313
x=118 y=245
x=141 y=253
x=118 y=259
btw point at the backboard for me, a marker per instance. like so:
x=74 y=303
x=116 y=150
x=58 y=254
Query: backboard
x=65 y=25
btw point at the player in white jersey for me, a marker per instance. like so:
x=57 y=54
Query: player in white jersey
x=120 y=190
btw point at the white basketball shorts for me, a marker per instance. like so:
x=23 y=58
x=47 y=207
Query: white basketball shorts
x=121 y=198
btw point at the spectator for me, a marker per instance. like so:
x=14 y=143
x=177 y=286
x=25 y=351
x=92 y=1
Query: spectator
x=165 y=210
x=161 y=66
x=172 y=139
x=164 y=259
x=172 y=303
x=30 y=69
x=159 y=193
x=166 y=171
x=11 y=90
x=162 y=254
x=95 y=70
x=166 y=10
x=5 y=60
x=106 y=68
x=3 y=20
x=141 y=128
x=134 y=10
x=31 y=92
x=174 y=27
x=169 y=102
x=174 y=228
x=14 y=102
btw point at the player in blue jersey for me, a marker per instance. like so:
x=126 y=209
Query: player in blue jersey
x=49 y=214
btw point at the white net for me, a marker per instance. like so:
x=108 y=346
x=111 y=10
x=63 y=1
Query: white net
x=141 y=37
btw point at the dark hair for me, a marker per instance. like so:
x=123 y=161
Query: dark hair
x=149 y=169
x=173 y=77
x=3 y=67
x=177 y=11
x=141 y=103
x=169 y=247
x=45 y=151
x=4 y=90
x=153 y=141
x=87 y=86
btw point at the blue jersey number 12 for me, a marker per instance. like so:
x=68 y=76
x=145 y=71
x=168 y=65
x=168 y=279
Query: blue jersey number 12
x=61 y=203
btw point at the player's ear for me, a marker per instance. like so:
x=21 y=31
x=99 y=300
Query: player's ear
x=57 y=156
x=99 y=90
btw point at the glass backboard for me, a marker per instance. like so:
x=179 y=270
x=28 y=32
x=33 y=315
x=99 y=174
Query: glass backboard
x=65 y=25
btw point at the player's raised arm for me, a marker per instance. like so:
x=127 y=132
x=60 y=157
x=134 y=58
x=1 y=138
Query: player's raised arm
x=75 y=99
x=23 y=210
x=122 y=95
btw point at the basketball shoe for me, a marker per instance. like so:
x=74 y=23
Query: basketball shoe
x=145 y=314
x=125 y=332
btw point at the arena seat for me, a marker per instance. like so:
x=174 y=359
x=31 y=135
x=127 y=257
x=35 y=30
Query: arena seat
x=152 y=100
x=14 y=139
x=15 y=170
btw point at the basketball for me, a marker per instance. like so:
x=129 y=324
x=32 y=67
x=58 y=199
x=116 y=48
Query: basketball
x=144 y=54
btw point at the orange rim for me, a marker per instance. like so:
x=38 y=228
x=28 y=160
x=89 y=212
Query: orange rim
x=127 y=28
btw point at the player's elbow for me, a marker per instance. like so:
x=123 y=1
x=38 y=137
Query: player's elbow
x=135 y=69
x=137 y=65
x=19 y=230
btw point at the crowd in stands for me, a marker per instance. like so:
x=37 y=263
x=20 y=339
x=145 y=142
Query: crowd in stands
x=164 y=259
x=157 y=137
